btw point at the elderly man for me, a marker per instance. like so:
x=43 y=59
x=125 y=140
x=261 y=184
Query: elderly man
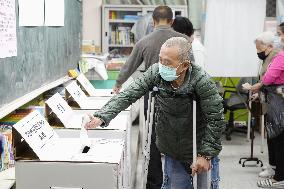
x=179 y=82
x=146 y=51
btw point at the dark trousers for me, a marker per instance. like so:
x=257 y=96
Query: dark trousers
x=155 y=172
x=278 y=144
x=271 y=152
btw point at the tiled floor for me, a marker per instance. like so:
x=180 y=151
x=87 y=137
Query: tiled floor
x=233 y=175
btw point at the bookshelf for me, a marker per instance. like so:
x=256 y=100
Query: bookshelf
x=118 y=21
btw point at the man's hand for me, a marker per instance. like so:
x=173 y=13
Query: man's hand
x=254 y=97
x=255 y=88
x=94 y=123
x=201 y=165
x=116 y=89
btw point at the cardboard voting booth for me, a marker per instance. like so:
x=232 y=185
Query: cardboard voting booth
x=89 y=88
x=45 y=159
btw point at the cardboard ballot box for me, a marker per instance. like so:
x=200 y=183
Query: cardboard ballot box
x=73 y=118
x=47 y=159
x=85 y=102
x=90 y=89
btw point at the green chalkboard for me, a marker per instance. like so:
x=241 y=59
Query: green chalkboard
x=45 y=54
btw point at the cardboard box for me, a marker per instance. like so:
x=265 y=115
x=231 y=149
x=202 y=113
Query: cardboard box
x=31 y=173
x=62 y=164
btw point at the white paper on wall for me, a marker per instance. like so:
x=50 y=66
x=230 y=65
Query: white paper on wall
x=31 y=12
x=54 y=13
x=8 y=36
x=230 y=30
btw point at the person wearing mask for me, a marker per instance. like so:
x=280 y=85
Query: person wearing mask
x=179 y=83
x=272 y=84
x=146 y=51
x=279 y=42
x=264 y=44
x=184 y=26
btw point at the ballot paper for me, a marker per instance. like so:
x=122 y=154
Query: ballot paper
x=246 y=86
x=84 y=138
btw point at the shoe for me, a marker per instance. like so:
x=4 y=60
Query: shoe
x=267 y=173
x=270 y=183
x=267 y=167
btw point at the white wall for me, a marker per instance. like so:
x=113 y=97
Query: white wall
x=92 y=20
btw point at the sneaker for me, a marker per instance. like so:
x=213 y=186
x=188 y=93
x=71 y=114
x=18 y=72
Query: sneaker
x=270 y=183
x=267 y=173
x=267 y=167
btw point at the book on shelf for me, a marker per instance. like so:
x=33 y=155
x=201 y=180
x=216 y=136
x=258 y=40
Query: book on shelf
x=121 y=35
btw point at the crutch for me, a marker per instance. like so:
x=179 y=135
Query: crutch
x=194 y=143
x=148 y=134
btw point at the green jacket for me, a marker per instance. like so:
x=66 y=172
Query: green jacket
x=173 y=116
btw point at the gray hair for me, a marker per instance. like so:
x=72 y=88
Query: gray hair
x=266 y=38
x=183 y=45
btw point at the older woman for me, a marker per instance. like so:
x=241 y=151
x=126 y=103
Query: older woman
x=273 y=80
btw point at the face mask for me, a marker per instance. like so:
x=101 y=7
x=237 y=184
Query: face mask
x=168 y=73
x=277 y=43
x=261 y=55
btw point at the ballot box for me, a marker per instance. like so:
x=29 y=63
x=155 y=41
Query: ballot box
x=50 y=159
x=90 y=89
x=72 y=121
x=74 y=118
x=75 y=93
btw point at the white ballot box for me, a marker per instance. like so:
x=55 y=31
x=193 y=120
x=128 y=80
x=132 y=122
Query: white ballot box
x=46 y=159
x=83 y=100
x=90 y=89
x=73 y=118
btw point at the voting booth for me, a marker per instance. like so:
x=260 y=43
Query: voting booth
x=45 y=159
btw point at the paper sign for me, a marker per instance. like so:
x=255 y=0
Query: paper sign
x=54 y=13
x=78 y=95
x=31 y=12
x=86 y=84
x=37 y=133
x=8 y=37
x=64 y=112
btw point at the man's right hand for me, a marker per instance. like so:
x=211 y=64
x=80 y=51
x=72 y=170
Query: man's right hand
x=94 y=123
x=116 y=89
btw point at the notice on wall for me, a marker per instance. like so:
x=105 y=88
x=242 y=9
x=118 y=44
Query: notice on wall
x=31 y=12
x=54 y=13
x=8 y=36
